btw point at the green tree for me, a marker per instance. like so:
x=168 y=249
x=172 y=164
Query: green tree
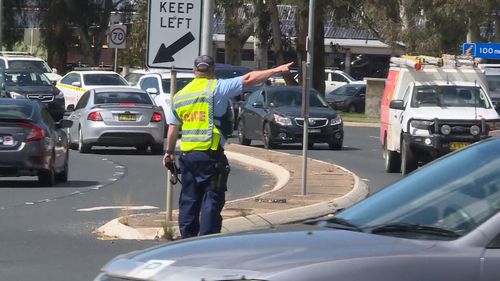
x=134 y=55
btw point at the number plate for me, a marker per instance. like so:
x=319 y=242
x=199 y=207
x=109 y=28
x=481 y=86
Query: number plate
x=458 y=145
x=7 y=140
x=314 y=130
x=126 y=117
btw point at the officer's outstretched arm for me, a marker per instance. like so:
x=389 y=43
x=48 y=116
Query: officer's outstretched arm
x=259 y=76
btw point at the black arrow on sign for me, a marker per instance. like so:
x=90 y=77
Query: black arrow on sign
x=165 y=54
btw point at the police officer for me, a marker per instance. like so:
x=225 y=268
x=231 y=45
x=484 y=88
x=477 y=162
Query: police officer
x=203 y=165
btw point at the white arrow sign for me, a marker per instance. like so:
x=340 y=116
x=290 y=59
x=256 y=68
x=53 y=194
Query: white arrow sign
x=173 y=33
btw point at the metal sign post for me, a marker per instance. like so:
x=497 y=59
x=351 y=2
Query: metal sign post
x=170 y=189
x=305 y=95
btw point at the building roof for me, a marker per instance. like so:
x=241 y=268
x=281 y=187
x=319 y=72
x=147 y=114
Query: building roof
x=287 y=20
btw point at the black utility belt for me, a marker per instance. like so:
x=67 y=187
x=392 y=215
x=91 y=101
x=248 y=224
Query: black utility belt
x=212 y=153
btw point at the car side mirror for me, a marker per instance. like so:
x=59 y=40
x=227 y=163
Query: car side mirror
x=152 y=91
x=70 y=107
x=76 y=84
x=64 y=124
x=397 y=104
x=258 y=104
x=54 y=70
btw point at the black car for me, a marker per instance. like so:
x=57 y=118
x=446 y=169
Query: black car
x=31 y=142
x=273 y=114
x=349 y=97
x=29 y=84
x=226 y=71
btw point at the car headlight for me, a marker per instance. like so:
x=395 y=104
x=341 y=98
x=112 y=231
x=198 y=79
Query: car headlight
x=60 y=95
x=15 y=95
x=336 y=121
x=421 y=124
x=283 y=121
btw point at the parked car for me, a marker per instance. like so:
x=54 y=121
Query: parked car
x=439 y=223
x=492 y=73
x=117 y=116
x=335 y=78
x=31 y=142
x=157 y=84
x=273 y=114
x=77 y=82
x=28 y=61
x=349 y=98
x=29 y=84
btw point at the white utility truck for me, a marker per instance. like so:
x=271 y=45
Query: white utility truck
x=432 y=106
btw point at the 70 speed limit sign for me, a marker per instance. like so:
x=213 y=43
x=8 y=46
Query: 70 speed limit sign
x=117 y=36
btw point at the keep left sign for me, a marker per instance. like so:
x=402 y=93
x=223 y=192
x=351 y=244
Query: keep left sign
x=174 y=32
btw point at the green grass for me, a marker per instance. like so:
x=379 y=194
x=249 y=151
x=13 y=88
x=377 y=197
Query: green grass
x=357 y=117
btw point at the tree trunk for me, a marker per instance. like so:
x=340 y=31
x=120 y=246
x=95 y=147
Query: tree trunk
x=301 y=29
x=232 y=38
x=497 y=27
x=277 y=40
x=260 y=35
x=318 y=74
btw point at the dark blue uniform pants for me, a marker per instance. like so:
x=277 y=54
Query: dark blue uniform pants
x=199 y=207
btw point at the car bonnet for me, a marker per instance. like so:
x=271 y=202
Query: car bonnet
x=256 y=254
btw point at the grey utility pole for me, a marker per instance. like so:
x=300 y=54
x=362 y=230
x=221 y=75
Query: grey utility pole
x=206 y=27
x=305 y=93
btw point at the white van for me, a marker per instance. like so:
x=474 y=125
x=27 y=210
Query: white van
x=430 y=107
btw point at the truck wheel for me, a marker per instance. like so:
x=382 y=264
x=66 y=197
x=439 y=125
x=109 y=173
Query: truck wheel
x=392 y=161
x=408 y=161
x=267 y=137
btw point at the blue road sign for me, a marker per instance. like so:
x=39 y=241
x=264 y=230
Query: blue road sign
x=482 y=50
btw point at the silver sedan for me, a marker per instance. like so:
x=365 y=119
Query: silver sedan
x=117 y=116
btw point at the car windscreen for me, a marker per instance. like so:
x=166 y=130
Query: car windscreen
x=229 y=73
x=282 y=98
x=16 y=111
x=122 y=97
x=34 y=65
x=181 y=82
x=102 y=79
x=449 y=96
x=26 y=79
x=458 y=193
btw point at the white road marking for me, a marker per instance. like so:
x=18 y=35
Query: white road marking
x=117 y=207
x=104 y=159
x=374 y=137
x=112 y=179
x=120 y=167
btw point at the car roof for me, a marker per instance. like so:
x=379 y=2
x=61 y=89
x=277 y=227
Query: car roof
x=281 y=88
x=447 y=83
x=93 y=72
x=118 y=89
x=18 y=101
x=167 y=75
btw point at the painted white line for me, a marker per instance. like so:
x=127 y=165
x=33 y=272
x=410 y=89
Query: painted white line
x=118 y=174
x=117 y=207
x=120 y=167
x=365 y=179
x=374 y=137
x=104 y=159
x=112 y=179
x=29 y=203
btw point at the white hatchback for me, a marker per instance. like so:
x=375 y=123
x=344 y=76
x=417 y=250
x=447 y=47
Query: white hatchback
x=75 y=83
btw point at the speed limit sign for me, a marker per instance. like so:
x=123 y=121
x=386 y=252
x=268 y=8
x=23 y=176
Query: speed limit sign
x=117 y=36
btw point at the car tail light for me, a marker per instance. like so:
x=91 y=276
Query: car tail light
x=156 y=117
x=36 y=133
x=94 y=116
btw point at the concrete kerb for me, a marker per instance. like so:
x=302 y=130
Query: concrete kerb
x=116 y=230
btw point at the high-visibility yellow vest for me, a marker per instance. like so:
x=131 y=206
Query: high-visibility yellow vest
x=194 y=106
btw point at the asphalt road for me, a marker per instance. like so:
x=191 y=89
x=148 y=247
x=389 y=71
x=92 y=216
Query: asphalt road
x=361 y=154
x=46 y=233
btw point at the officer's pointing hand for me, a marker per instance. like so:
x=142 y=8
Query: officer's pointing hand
x=284 y=67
